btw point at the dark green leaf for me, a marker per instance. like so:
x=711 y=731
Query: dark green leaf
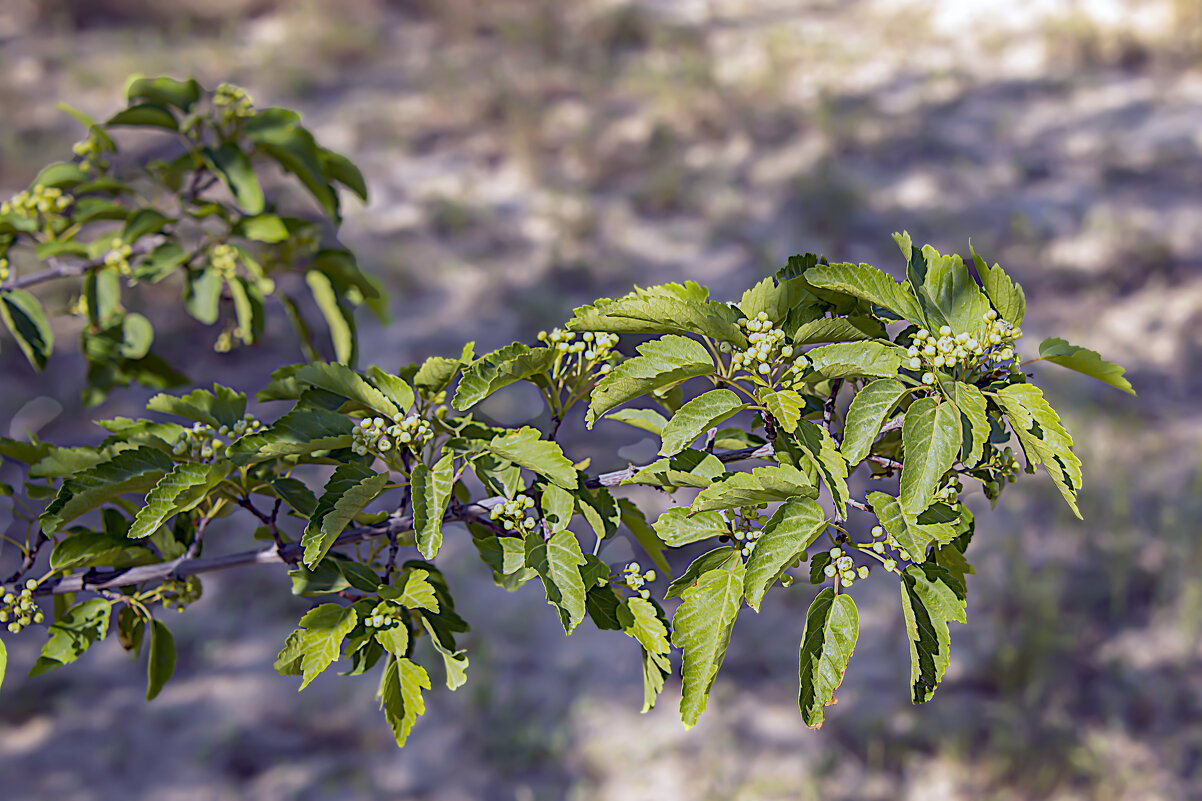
x=26 y=321
x=1084 y=361
x=931 y=597
x=832 y=627
x=161 y=666
x=660 y=362
x=75 y=631
x=348 y=491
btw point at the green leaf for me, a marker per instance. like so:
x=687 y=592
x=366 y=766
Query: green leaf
x=678 y=527
x=202 y=295
x=221 y=407
x=499 y=369
x=708 y=561
x=75 y=631
x=317 y=644
x=832 y=628
x=26 y=321
x=393 y=387
x=394 y=640
x=301 y=431
x=454 y=662
x=338 y=167
x=867 y=282
x=648 y=538
x=931 y=597
x=785 y=406
x=525 y=448
x=974 y=422
x=855 y=359
x=342 y=380
x=418 y=592
x=647 y=420
x=689 y=468
x=914 y=536
x=793 y=526
x=431 y=495
x=931 y=437
x=267 y=228
x=698 y=416
x=338 y=317
x=775 y=299
x=664 y=309
x=820 y=446
x=99 y=549
x=234 y=169
x=955 y=293
x=660 y=362
x=60 y=175
x=761 y=485
x=3 y=661
x=145 y=114
x=295 y=151
x=558 y=561
x=869 y=409
x=599 y=510
x=184 y=488
x=348 y=491
x=134 y=470
x=143 y=222
x=164 y=90
x=294 y=493
x=1084 y=360
x=1005 y=295
x=558 y=506
x=401 y=696
x=838 y=329
x=161 y=666
x=1043 y=437
x=701 y=628
x=640 y=620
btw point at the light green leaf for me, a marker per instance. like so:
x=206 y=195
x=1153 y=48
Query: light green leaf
x=931 y=597
x=220 y=407
x=318 y=642
x=401 y=696
x=761 y=485
x=955 y=293
x=525 y=448
x=348 y=491
x=393 y=387
x=664 y=309
x=161 y=665
x=818 y=444
x=855 y=359
x=678 y=527
x=182 y=489
x=640 y=620
x=931 y=437
x=793 y=526
x=339 y=318
x=301 y=431
x=234 y=169
x=648 y=538
x=867 y=413
x=3 y=661
x=838 y=329
x=914 y=536
x=342 y=380
x=1043 y=437
x=431 y=495
x=1084 y=360
x=26 y=321
x=776 y=299
x=418 y=592
x=558 y=561
x=499 y=369
x=689 y=468
x=656 y=669
x=785 y=406
x=701 y=628
x=644 y=419
x=454 y=662
x=558 y=506
x=660 y=362
x=146 y=115
x=974 y=423
x=832 y=628
x=133 y=470
x=698 y=416
x=75 y=631
x=867 y=282
x=1007 y=297
x=708 y=561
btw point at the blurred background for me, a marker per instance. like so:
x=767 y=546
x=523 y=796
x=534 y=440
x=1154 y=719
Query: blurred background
x=526 y=156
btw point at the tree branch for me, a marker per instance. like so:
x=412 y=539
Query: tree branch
x=59 y=269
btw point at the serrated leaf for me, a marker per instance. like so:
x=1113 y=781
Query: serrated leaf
x=678 y=527
x=660 y=362
x=931 y=437
x=599 y=510
x=793 y=526
x=301 y=431
x=348 y=491
x=701 y=628
x=1084 y=360
x=394 y=640
x=454 y=662
x=869 y=409
x=294 y=493
x=832 y=628
x=776 y=299
x=558 y=561
x=785 y=406
x=1043 y=437
x=640 y=620
x=220 y=407
x=855 y=359
x=698 y=416
x=558 y=506
x=648 y=538
x=974 y=422
x=343 y=381
x=76 y=630
x=656 y=669
x=182 y=489
x=393 y=387
x=418 y=592
x=1005 y=295
x=914 y=536
x=134 y=470
x=820 y=446
x=689 y=468
x=663 y=309
x=499 y=369
x=401 y=696
x=526 y=448
x=838 y=329
x=867 y=282
x=431 y=495
x=647 y=420
x=955 y=293
x=26 y=321
x=931 y=597
x=161 y=665
x=761 y=485
x=702 y=564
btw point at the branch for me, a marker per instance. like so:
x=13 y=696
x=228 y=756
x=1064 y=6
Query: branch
x=59 y=269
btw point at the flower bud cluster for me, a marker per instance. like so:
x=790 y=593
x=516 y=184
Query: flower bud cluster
x=178 y=594
x=594 y=350
x=19 y=610
x=747 y=527
x=202 y=442
x=232 y=103
x=949 y=493
x=5 y=272
x=372 y=434
x=767 y=352
x=89 y=151
x=118 y=255
x=942 y=351
x=513 y=514
x=1002 y=463
x=635 y=580
x=386 y=615
x=45 y=202
x=224 y=259
x=883 y=541
x=842 y=568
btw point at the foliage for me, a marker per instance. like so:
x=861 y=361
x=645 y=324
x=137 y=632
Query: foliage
x=819 y=373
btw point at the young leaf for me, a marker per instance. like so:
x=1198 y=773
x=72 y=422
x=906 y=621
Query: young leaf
x=454 y=662
x=1007 y=297
x=393 y=387
x=855 y=359
x=660 y=362
x=776 y=299
x=161 y=666
x=832 y=628
x=26 y=321
x=3 y=661
x=182 y=489
x=75 y=631
x=558 y=561
x=1084 y=360
x=793 y=526
x=1043 y=437
x=931 y=597
x=401 y=696
x=220 y=407
x=955 y=293
x=640 y=620
x=698 y=416
x=931 y=437
x=785 y=406
x=869 y=409
x=499 y=369
x=914 y=536
x=525 y=447
x=418 y=592
x=678 y=527
x=867 y=282
x=134 y=470
x=761 y=485
x=701 y=628
x=348 y=491
x=431 y=493
x=647 y=420
x=838 y=329
x=318 y=642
